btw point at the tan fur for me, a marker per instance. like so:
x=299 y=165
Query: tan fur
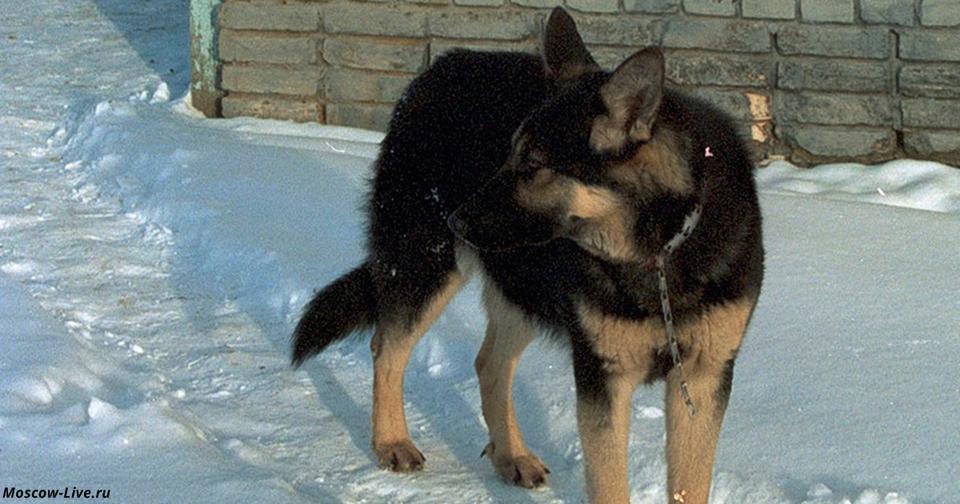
x=626 y=346
x=610 y=132
x=604 y=435
x=692 y=441
x=547 y=191
x=658 y=164
x=391 y=346
x=606 y=226
x=606 y=134
x=603 y=218
x=712 y=339
x=592 y=202
x=638 y=78
x=508 y=334
x=715 y=337
x=572 y=71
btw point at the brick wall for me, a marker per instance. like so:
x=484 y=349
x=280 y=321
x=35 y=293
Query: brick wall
x=812 y=80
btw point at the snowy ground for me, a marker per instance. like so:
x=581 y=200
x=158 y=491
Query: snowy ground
x=152 y=264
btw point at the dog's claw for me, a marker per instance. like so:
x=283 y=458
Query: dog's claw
x=401 y=456
x=528 y=471
x=535 y=482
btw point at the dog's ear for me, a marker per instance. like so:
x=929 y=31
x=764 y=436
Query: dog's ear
x=632 y=96
x=564 y=53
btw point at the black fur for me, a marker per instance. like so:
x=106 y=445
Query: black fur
x=721 y=261
x=449 y=132
x=346 y=305
x=475 y=127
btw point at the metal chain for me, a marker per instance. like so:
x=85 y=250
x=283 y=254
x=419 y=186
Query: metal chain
x=689 y=223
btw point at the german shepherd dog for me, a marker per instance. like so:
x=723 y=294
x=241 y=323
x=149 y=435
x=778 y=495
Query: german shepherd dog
x=560 y=183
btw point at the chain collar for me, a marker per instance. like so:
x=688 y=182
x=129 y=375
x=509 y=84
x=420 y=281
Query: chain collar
x=689 y=223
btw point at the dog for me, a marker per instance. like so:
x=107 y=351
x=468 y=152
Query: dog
x=601 y=209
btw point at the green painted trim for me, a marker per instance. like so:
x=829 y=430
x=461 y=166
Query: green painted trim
x=205 y=65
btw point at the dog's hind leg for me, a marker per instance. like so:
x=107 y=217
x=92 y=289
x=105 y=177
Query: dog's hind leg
x=393 y=341
x=508 y=334
x=714 y=339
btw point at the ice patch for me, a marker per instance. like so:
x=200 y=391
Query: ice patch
x=157 y=234
x=18 y=221
x=19 y=268
x=247 y=452
x=819 y=491
x=84 y=317
x=86 y=193
x=31 y=392
x=100 y=410
x=650 y=412
x=58 y=137
x=135 y=270
x=821 y=494
x=874 y=497
x=102 y=108
x=108 y=162
x=437 y=359
x=162 y=94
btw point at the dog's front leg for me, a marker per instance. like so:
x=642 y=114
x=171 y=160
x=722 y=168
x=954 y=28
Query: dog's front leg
x=508 y=334
x=603 y=417
x=692 y=440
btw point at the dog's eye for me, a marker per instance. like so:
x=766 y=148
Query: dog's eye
x=527 y=175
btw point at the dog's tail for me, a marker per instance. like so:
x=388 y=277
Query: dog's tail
x=348 y=304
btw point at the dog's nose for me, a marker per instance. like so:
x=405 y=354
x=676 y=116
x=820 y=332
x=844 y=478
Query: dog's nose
x=456 y=225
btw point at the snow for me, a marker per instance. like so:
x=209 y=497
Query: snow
x=153 y=263
x=904 y=183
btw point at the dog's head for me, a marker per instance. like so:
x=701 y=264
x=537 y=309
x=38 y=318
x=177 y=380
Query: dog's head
x=580 y=163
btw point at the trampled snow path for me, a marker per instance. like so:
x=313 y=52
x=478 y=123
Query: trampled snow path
x=160 y=260
x=82 y=402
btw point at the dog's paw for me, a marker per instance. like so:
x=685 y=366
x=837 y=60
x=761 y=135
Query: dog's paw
x=527 y=471
x=401 y=456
